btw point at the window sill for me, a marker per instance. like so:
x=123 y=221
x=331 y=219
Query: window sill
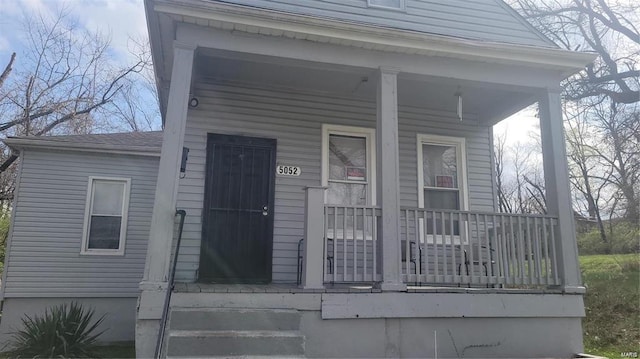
x=97 y=252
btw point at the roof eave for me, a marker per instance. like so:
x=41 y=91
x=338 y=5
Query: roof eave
x=156 y=52
x=19 y=144
x=564 y=62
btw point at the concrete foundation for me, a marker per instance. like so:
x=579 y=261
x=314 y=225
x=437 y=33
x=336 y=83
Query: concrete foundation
x=146 y=337
x=441 y=338
x=410 y=325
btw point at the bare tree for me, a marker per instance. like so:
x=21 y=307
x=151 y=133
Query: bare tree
x=520 y=185
x=603 y=144
x=504 y=205
x=586 y=175
x=606 y=27
x=619 y=151
x=67 y=81
x=7 y=69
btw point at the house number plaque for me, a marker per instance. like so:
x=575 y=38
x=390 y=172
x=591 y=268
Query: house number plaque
x=283 y=170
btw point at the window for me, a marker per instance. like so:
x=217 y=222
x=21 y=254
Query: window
x=442 y=179
x=348 y=165
x=387 y=4
x=105 y=223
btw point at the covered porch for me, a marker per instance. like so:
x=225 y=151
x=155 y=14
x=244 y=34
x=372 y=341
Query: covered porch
x=425 y=210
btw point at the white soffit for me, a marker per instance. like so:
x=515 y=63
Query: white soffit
x=274 y=23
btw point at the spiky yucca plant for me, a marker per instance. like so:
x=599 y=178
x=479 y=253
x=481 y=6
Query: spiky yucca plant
x=64 y=331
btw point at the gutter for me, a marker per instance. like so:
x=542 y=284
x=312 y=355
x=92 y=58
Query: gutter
x=18 y=144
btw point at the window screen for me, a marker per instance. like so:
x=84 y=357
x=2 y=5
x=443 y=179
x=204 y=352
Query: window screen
x=106 y=218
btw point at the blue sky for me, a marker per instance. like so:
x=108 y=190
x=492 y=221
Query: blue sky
x=117 y=18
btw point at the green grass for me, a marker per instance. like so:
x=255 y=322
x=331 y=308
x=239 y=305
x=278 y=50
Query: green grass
x=612 y=304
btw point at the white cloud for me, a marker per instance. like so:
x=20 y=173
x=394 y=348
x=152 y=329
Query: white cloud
x=519 y=127
x=120 y=19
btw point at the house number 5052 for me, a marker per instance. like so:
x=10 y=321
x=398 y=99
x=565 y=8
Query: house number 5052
x=288 y=170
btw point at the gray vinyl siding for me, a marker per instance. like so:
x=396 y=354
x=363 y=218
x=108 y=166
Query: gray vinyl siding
x=485 y=20
x=44 y=258
x=295 y=120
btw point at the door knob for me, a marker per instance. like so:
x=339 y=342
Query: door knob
x=265 y=210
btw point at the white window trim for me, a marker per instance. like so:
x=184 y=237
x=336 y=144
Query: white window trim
x=401 y=8
x=370 y=135
x=87 y=217
x=461 y=159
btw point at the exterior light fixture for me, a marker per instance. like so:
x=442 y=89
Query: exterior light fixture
x=193 y=102
x=458 y=94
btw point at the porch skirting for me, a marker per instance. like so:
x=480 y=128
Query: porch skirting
x=366 y=302
x=456 y=324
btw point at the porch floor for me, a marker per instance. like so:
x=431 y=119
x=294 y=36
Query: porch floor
x=342 y=288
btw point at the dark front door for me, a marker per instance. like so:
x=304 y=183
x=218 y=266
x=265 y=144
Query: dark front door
x=237 y=233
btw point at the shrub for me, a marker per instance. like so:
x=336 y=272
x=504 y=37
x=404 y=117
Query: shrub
x=64 y=331
x=622 y=238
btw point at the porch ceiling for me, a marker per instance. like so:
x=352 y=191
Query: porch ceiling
x=486 y=102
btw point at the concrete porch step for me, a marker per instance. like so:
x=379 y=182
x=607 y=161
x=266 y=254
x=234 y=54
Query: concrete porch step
x=241 y=343
x=234 y=319
x=234 y=333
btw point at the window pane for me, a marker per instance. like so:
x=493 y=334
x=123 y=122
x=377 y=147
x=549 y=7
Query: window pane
x=104 y=232
x=439 y=166
x=439 y=199
x=347 y=158
x=348 y=194
x=107 y=197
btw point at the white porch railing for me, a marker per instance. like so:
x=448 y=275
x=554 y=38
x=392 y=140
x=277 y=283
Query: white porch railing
x=461 y=247
x=351 y=247
x=443 y=247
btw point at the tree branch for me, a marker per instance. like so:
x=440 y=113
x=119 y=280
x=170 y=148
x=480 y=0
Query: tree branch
x=7 y=70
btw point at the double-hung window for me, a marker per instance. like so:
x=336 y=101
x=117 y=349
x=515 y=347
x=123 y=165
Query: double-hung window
x=442 y=181
x=348 y=165
x=105 y=223
x=348 y=172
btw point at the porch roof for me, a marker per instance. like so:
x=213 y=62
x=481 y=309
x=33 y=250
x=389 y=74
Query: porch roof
x=163 y=15
x=277 y=23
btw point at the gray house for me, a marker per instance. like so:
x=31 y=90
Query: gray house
x=347 y=145
x=339 y=188
x=68 y=190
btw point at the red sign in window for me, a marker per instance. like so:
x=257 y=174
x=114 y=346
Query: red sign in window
x=444 y=181
x=356 y=173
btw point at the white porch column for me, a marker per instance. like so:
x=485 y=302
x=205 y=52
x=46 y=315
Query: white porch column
x=313 y=258
x=388 y=177
x=556 y=177
x=154 y=282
